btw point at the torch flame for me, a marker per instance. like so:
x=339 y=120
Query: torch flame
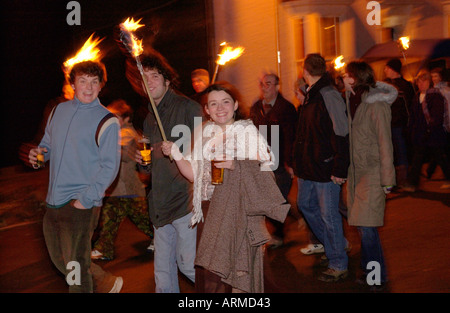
x=89 y=52
x=228 y=53
x=404 y=41
x=338 y=64
x=129 y=26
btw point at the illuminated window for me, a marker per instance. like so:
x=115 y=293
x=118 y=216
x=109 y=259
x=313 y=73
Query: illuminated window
x=299 y=41
x=329 y=37
x=326 y=29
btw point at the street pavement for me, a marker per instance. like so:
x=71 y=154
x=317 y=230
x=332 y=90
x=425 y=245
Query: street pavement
x=415 y=240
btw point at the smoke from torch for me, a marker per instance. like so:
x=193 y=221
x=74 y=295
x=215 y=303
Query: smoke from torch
x=227 y=54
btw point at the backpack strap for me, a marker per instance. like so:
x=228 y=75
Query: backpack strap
x=104 y=123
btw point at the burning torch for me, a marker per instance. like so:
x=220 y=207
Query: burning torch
x=227 y=54
x=338 y=64
x=339 y=69
x=88 y=52
x=134 y=47
x=403 y=44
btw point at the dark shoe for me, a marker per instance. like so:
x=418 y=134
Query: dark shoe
x=332 y=275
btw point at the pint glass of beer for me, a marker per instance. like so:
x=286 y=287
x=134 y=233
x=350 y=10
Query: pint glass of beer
x=146 y=152
x=216 y=173
x=40 y=160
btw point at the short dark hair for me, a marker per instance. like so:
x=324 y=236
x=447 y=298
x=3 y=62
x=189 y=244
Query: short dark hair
x=362 y=73
x=229 y=89
x=90 y=68
x=315 y=64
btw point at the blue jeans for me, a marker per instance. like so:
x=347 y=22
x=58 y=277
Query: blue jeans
x=175 y=246
x=371 y=250
x=319 y=203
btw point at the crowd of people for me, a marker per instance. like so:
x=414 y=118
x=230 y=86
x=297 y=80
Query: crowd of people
x=371 y=135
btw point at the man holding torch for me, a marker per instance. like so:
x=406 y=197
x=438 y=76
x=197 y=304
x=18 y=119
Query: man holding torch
x=81 y=141
x=170 y=197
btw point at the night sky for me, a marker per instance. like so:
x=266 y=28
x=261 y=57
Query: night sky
x=37 y=40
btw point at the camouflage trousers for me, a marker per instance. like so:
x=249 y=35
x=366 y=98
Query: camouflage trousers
x=114 y=211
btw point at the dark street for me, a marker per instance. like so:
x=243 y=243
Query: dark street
x=415 y=242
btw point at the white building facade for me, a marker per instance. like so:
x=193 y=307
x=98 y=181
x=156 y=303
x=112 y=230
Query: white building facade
x=277 y=35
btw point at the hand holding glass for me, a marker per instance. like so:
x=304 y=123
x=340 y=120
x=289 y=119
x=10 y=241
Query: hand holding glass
x=145 y=150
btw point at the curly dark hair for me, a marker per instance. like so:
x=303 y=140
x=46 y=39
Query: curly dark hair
x=151 y=59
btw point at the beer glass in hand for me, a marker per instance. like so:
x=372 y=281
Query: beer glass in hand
x=145 y=150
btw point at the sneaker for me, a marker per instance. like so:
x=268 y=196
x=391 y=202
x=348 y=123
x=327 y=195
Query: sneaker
x=445 y=185
x=118 y=283
x=313 y=248
x=332 y=275
x=151 y=247
x=97 y=255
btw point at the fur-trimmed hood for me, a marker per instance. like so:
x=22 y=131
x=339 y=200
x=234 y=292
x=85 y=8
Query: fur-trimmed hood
x=382 y=92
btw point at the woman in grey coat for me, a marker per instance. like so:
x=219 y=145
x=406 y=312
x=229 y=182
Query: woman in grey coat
x=371 y=173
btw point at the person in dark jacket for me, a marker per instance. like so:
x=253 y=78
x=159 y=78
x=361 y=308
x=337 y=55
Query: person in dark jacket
x=321 y=159
x=274 y=110
x=427 y=131
x=400 y=110
x=170 y=196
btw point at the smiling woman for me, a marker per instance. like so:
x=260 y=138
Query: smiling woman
x=221 y=108
x=222 y=205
